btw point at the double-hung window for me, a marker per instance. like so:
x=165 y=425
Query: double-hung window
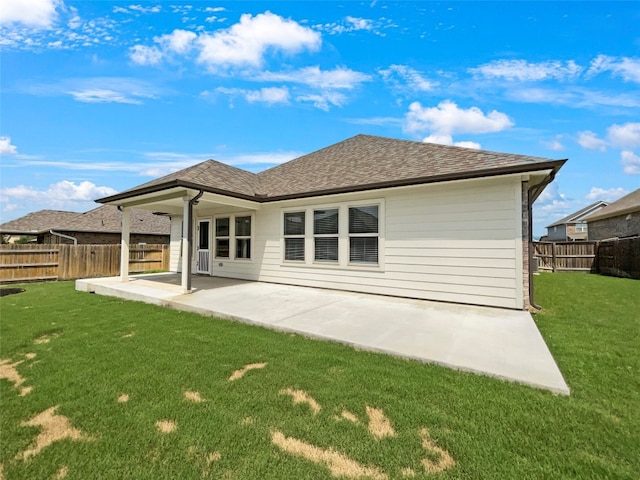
x=222 y=237
x=294 y=236
x=363 y=234
x=325 y=235
x=243 y=237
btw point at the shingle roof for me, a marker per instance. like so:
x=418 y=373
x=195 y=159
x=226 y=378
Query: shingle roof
x=104 y=219
x=36 y=222
x=627 y=204
x=578 y=216
x=359 y=163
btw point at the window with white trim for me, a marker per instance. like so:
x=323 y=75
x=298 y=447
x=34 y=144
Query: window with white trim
x=325 y=235
x=363 y=234
x=243 y=237
x=222 y=237
x=581 y=227
x=294 y=229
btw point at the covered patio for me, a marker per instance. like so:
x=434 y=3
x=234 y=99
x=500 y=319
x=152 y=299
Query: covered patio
x=491 y=341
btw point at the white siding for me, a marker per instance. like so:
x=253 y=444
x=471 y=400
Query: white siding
x=455 y=242
x=175 y=245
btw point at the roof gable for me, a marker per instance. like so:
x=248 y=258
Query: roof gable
x=581 y=214
x=628 y=204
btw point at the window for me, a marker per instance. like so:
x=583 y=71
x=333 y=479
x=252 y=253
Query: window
x=294 y=236
x=222 y=237
x=243 y=237
x=363 y=234
x=581 y=227
x=325 y=232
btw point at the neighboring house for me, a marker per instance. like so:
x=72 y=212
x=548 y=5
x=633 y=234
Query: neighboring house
x=573 y=227
x=618 y=220
x=102 y=225
x=368 y=214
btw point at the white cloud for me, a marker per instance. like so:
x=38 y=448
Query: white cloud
x=338 y=78
x=32 y=13
x=607 y=195
x=246 y=42
x=630 y=162
x=590 y=141
x=448 y=140
x=63 y=194
x=625 y=67
x=143 y=55
x=6 y=147
x=624 y=136
x=355 y=23
x=214 y=9
x=178 y=41
x=448 y=119
x=323 y=100
x=555 y=144
x=101 y=95
x=269 y=95
x=522 y=70
x=141 y=9
x=400 y=76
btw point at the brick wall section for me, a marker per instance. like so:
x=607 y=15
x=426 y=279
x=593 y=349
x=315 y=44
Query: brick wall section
x=526 y=242
x=92 y=238
x=615 y=227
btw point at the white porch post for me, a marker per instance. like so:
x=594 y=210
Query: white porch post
x=186 y=245
x=124 y=250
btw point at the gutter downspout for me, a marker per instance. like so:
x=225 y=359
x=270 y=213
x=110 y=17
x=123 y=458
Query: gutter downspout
x=192 y=202
x=539 y=187
x=68 y=237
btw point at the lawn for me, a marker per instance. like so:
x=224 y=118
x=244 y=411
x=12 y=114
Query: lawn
x=98 y=387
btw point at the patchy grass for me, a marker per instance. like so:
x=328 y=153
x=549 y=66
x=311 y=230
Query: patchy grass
x=127 y=406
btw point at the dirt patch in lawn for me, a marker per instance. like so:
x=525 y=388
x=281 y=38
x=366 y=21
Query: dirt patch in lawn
x=10 y=291
x=128 y=335
x=46 y=338
x=347 y=415
x=8 y=371
x=379 y=425
x=193 y=397
x=338 y=464
x=240 y=373
x=54 y=428
x=166 y=426
x=445 y=460
x=62 y=473
x=123 y=398
x=30 y=356
x=300 y=396
x=247 y=421
x=408 y=473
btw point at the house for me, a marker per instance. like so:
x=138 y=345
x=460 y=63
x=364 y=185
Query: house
x=573 y=227
x=618 y=220
x=102 y=225
x=368 y=214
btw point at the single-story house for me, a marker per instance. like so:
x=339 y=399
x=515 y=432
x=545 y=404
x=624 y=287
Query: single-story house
x=621 y=219
x=573 y=227
x=368 y=214
x=102 y=225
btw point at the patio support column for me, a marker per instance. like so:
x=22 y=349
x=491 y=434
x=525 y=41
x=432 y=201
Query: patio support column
x=124 y=249
x=186 y=246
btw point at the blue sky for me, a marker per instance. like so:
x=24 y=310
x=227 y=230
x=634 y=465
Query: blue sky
x=98 y=97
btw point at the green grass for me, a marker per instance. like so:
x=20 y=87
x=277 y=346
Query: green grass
x=492 y=429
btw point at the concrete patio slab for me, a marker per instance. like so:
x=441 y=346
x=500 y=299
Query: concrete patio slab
x=497 y=342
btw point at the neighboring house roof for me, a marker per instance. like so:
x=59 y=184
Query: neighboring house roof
x=104 y=219
x=36 y=222
x=362 y=162
x=627 y=204
x=579 y=216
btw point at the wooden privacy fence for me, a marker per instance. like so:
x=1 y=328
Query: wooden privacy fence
x=565 y=256
x=23 y=263
x=620 y=257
